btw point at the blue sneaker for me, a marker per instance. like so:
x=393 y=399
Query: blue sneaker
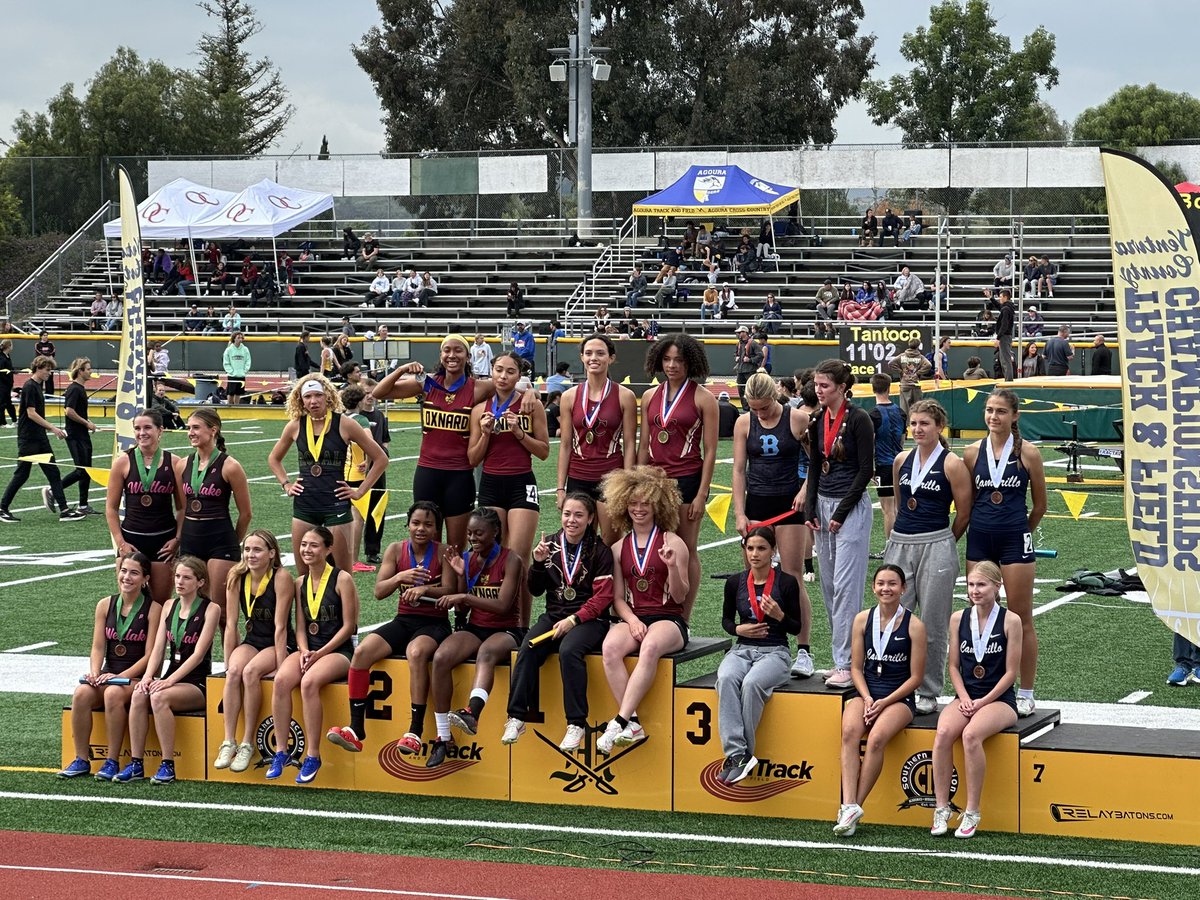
x=165 y=773
x=278 y=761
x=308 y=769
x=1196 y=675
x=132 y=772
x=108 y=771
x=79 y=767
x=1179 y=677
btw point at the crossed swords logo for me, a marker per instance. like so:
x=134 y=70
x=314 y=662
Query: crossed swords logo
x=580 y=773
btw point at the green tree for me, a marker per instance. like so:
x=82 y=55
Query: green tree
x=249 y=102
x=1140 y=116
x=967 y=83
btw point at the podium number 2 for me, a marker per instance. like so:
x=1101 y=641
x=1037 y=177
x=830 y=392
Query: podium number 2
x=702 y=733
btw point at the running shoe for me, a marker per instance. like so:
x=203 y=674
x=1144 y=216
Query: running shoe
x=132 y=772
x=966 y=828
x=79 y=767
x=513 y=729
x=438 y=751
x=1025 y=706
x=165 y=773
x=71 y=515
x=926 y=705
x=108 y=771
x=374 y=559
x=572 y=739
x=726 y=768
x=630 y=734
x=409 y=744
x=1196 y=675
x=362 y=567
x=48 y=500
x=941 y=821
x=241 y=759
x=464 y=720
x=308 y=769
x=6 y=516
x=225 y=754
x=839 y=679
x=810 y=577
x=1179 y=677
x=278 y=761
x=604 y=743
x=847 y=822
x=90 y=510
x=344 y=737
x=803 y=666
x=743 y=767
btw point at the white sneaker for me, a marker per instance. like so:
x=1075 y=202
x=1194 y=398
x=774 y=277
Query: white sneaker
x=926 y=705
x=631 y=734
x=572 y=739
x=604 y=744
x=803 y=666
x=225 y=754
x=941 y=821
x=241 y=759
x=1025 y=706
x=847 y=822
x=839 y=679
x=513 y=729
x=810 y=576
x=966 y=828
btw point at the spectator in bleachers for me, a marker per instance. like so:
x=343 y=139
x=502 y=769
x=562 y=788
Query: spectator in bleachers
x=1004 y=333
x=635 y=286
x=379 y=291
x=398 y=281
x=1047 y=277
x=427 y=291
x=219 y=280
x=481 y=358
x=306 y=253
x=265 y=286
x=193 y=322
x=303 y=362
x=912 y=228
x=653 y=329
x=369 y=251
x=868 y=230
x=744 y=258
x=347 y=329
x=287 y=270
x=891 y=227
x=665 y=296
x=766 y=240
x=826 y=306
x=514 y=299
x=1059 y=352
x=97 y=311
x=1033 y=323
x=636 y=330
x=703 y=251
x=600 y=320
x=672 y=258
x=1003 y=272
x=231 y=321
x=864 y=307
x=407 y=294
x=350 y=243
x=249 y=275
x=212 y=322
x=985 y=323
x=163 y=264
x=187 y=279
x=1029 y=275
x=710 y=308
x=772 y=313
x=910 y=290
x=212 y=253
x=1101 y=357
x=1033 y=363
x=727 y=302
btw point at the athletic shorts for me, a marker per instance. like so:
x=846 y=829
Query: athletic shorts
x=883 y=478
x=208 y=539
x=453 y=491
x=516 y=633
x=879 y=691
x=509 y=491
x=591 y=488
x=150 y=544
x=689 y=486
x=235 y=387
x=1001 y=547
x=678 y=621
x=761 y=507
x=339 y=514
x=401 y=631
x=346 y=649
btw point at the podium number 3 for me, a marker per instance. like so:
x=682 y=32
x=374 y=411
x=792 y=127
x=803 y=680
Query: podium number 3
x=702 y=733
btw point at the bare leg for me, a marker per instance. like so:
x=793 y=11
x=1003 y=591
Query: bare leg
x=456 y=530
x=325 y=670
x=449 y=654
x=299 y=529
x=139 y=723
x=853 y=729
x=419 y=653
x=993 y=718
x=218 y=573
x=618 y=644
x=165 y=703
x=790 y=539
x=888 y=724
x=951 y=723
x=161 y=581
x=689 y=533
x=286 y=680
x=87 y=697
x=116 y=716
x=256 y=670
x=496 y=649
x=231 y=698
x=660 y=639
x=342 y=557
x=1018 y=592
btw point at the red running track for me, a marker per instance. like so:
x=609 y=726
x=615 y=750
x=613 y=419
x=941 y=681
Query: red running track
x=51 y=866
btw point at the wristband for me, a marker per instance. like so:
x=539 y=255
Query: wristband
x=563 y=489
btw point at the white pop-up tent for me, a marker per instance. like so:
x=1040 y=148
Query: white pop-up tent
x=266 y=209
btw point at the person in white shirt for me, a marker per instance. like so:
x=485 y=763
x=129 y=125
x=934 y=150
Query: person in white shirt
x=428 y=289
x=380 y=290
x=726 y=301
x=398 y=282
x=1003 y=272
x=481 y=358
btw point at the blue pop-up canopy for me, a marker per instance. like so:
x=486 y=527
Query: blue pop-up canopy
x=718 y=191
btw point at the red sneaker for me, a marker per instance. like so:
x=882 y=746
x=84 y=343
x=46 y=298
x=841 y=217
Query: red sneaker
x=362 y=567
x=344 y=738
x=409 y=744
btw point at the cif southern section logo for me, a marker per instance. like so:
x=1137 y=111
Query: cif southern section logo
x=588 y=767
x=916 y=780
x=266 y=740
x=768 y=779
x=393 y=761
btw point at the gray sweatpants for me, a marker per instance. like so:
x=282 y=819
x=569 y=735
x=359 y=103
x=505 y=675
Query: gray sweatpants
x=746 y=678
x=930 y=564
x=842 y=558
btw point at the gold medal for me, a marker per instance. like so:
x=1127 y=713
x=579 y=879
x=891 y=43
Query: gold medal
x=195 y=506
x=825 y=466
x=664 y=436
x=912 y=502
x=119 y=650
x=313 y=628
x=590 y=437
x=315 y=471
x=642 y=584
x=449 y=398
x=977 y=671
x=146 y=500
x=997 y=497
x=568 y=593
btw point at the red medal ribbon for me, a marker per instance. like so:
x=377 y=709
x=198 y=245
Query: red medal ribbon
x=754 y=607
x=831 y=431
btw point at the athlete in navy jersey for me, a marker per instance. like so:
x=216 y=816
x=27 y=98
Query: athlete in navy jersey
x=1003 y=466
x=887 y=665
x=985 y=658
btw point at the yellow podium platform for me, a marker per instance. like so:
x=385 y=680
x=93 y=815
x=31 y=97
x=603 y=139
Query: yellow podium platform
x=1100 y=781
x=904 y=793
x=190 y=758
x=636 y=777
x=797 y=746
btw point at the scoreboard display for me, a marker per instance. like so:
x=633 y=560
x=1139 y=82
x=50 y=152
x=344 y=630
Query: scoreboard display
x=867 y=346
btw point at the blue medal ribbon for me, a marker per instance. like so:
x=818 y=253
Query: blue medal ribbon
x=412 y=557
x=471 y=582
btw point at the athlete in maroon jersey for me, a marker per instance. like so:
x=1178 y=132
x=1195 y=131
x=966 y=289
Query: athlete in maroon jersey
x=597 y=429
x=650 y=591
x=677 y=416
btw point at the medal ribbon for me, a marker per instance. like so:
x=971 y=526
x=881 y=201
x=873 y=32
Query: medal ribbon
x=668 y=404
x=432 y=384
x=248 y=598
x=471 y=582
x=178 y=624
x=123 y=622
x=919 y=469
x=641 y=557
x=147 y=471
x=996 y=469
x=412 y=556
x=832 y=429
x=498 y=409
x=754 y=607
x=314 y=600
x=315 y=444
x=198 y=474
x=978 y=641
x=879 y=640
x=589 y=419
x=570 y=567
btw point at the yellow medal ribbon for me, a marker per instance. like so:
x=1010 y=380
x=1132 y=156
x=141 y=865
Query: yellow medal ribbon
x=315 y=444
x=250 y=599
x=314 y=599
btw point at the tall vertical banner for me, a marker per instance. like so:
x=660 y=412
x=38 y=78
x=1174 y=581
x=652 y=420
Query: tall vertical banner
x=1158 y=317
x=131 y=358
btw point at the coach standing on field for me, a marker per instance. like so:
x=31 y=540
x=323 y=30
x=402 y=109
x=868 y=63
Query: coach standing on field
x=1059 y=352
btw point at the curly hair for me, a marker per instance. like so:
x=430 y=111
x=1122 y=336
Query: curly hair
x=295 y=407
x=651 y=484
x=695 y=360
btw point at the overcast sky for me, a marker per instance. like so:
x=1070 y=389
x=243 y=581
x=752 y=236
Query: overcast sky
x=1101 y=46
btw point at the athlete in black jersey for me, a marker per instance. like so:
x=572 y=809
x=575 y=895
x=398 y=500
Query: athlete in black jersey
x=122 y=633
